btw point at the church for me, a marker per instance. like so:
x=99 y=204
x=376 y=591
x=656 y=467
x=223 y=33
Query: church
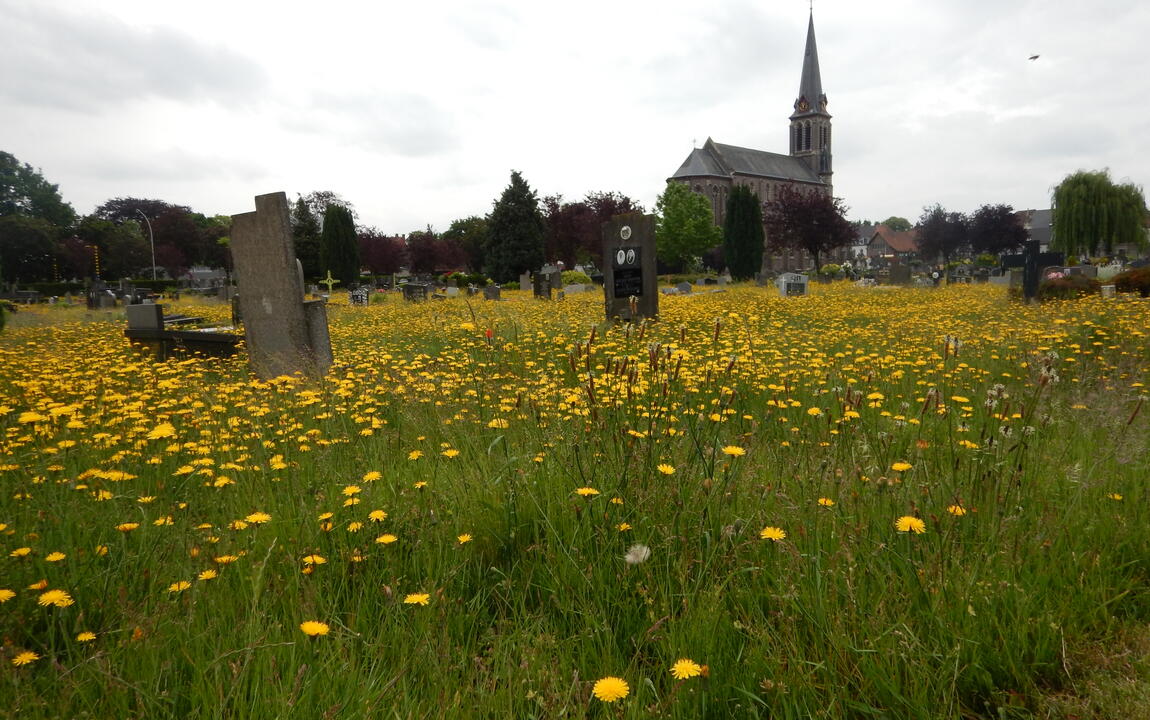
x=715 y=168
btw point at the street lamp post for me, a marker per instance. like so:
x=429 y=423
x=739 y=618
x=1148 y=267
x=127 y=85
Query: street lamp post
x=151 y=241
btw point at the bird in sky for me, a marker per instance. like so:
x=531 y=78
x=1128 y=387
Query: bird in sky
x=1033 y=57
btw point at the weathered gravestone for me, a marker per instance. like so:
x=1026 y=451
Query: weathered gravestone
x=792 y=284
x=630 y=286
x=541 y=286
x=899 y=275
x=525 y=281
x=358 y=297
x=684 y=288
x=491 y=292
x=414 y=292
x=285 y=334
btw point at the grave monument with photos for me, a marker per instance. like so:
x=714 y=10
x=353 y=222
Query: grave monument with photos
x=285 y=334
x=630 y=286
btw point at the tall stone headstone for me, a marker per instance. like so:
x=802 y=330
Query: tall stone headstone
x=284 y=333
x=630 y=286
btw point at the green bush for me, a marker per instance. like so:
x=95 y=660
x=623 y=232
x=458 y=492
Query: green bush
x=463 y=279
x=830 y=269
x=571 y=277
x=1136 y=280
x=1068 y=287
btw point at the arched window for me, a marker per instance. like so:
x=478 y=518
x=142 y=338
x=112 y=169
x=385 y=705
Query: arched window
x=806 y=136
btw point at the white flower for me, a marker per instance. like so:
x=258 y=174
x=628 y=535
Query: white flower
x=637 y=554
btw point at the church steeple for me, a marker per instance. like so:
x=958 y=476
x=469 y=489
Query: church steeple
x=810 y=121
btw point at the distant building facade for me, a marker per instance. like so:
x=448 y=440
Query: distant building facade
x=714 y=169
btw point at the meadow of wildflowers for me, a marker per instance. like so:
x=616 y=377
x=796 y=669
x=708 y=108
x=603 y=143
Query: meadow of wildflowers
x=862 y=503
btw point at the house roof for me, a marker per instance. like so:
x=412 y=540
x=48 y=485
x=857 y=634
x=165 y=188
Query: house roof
x=905 y=242
x=719 y=160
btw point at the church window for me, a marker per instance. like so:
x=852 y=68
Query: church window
x=806 y=136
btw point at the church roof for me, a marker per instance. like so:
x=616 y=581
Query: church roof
x=811 y=83
x=719 y=160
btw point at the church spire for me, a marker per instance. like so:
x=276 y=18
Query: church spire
x=810 y=121
x=811 y=98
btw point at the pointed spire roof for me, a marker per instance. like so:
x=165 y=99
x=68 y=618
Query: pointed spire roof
x=811 y=84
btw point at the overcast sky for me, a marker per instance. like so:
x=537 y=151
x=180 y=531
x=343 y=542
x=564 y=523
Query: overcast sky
x=417 y=112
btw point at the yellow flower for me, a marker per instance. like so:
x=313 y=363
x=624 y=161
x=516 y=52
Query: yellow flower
x=225 y=559
x=353 y=489
x=826 y=502
x=312 y=628
x=814 y=412
x=901 y=466
x=163 y=430
x=415 y=455
x=610 y=689
x=127 y=527
x=38 y=585
x=86 y=636
x=623 y=527
x=416 y=599
x=666 y=470
x=20 y=552
x=773 y=533
x=59 y=598
x=464 y=538
x=734 y=451
x=450 y=453
x=24 y=658
x=6 y=595
x=956 y=510
x=1114 y=496
x=498 y=424
x=685 y=668
x=180 y=586
x=372 y=476
x=587 y=491
x=420 y=485
x=314 y=560
x=258 y=518
x=54 y=557
x=909 y=523
x=386 y=539
x=208 y=574
x=377 y=516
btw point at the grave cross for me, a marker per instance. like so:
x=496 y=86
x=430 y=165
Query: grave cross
x=329 y=281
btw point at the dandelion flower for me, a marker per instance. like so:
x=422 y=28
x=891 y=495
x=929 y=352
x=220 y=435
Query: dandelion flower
x=59 y=598
x=6 y=595
x=956 y=510
x=450 y=453
x=208 y=574
x=38 y=585
x=386 y=539
x=909 y=523
x=20 y=552
x=685 y=668
x=901 y=466
x=610 y=689
x=25 y=658
x=180 y=586
x=734 y=451
x=587 y=491
x=415 y=455
x=54 y=557
x=312 y=628
x=464 y=538
x=314 y=560
x=372 y=476
x=773 y=533
x=1114 y=496
x=826 y=502
x=637 y=554
x=814 y=411
x=416 y=599
x=127 y=527
x=498 y=424
x=666 y=470
x=258 y=518
x=161 y=431
x=86 y=636
x=623 y=527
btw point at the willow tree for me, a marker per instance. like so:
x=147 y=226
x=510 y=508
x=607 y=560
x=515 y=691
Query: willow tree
x=1091 y=212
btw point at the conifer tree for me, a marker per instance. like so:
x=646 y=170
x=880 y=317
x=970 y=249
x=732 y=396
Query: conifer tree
x=743 y=233
x=339 y=246
x=515 y=233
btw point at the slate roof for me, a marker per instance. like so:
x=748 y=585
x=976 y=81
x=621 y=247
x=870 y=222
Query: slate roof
x=719 y=160
x=811 y=83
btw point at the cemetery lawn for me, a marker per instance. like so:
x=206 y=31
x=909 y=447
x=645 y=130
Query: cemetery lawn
x=864 y=503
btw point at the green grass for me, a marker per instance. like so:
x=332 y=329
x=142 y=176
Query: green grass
x=1032 y=603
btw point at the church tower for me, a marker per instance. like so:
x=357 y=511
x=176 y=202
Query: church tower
x=810 y=122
